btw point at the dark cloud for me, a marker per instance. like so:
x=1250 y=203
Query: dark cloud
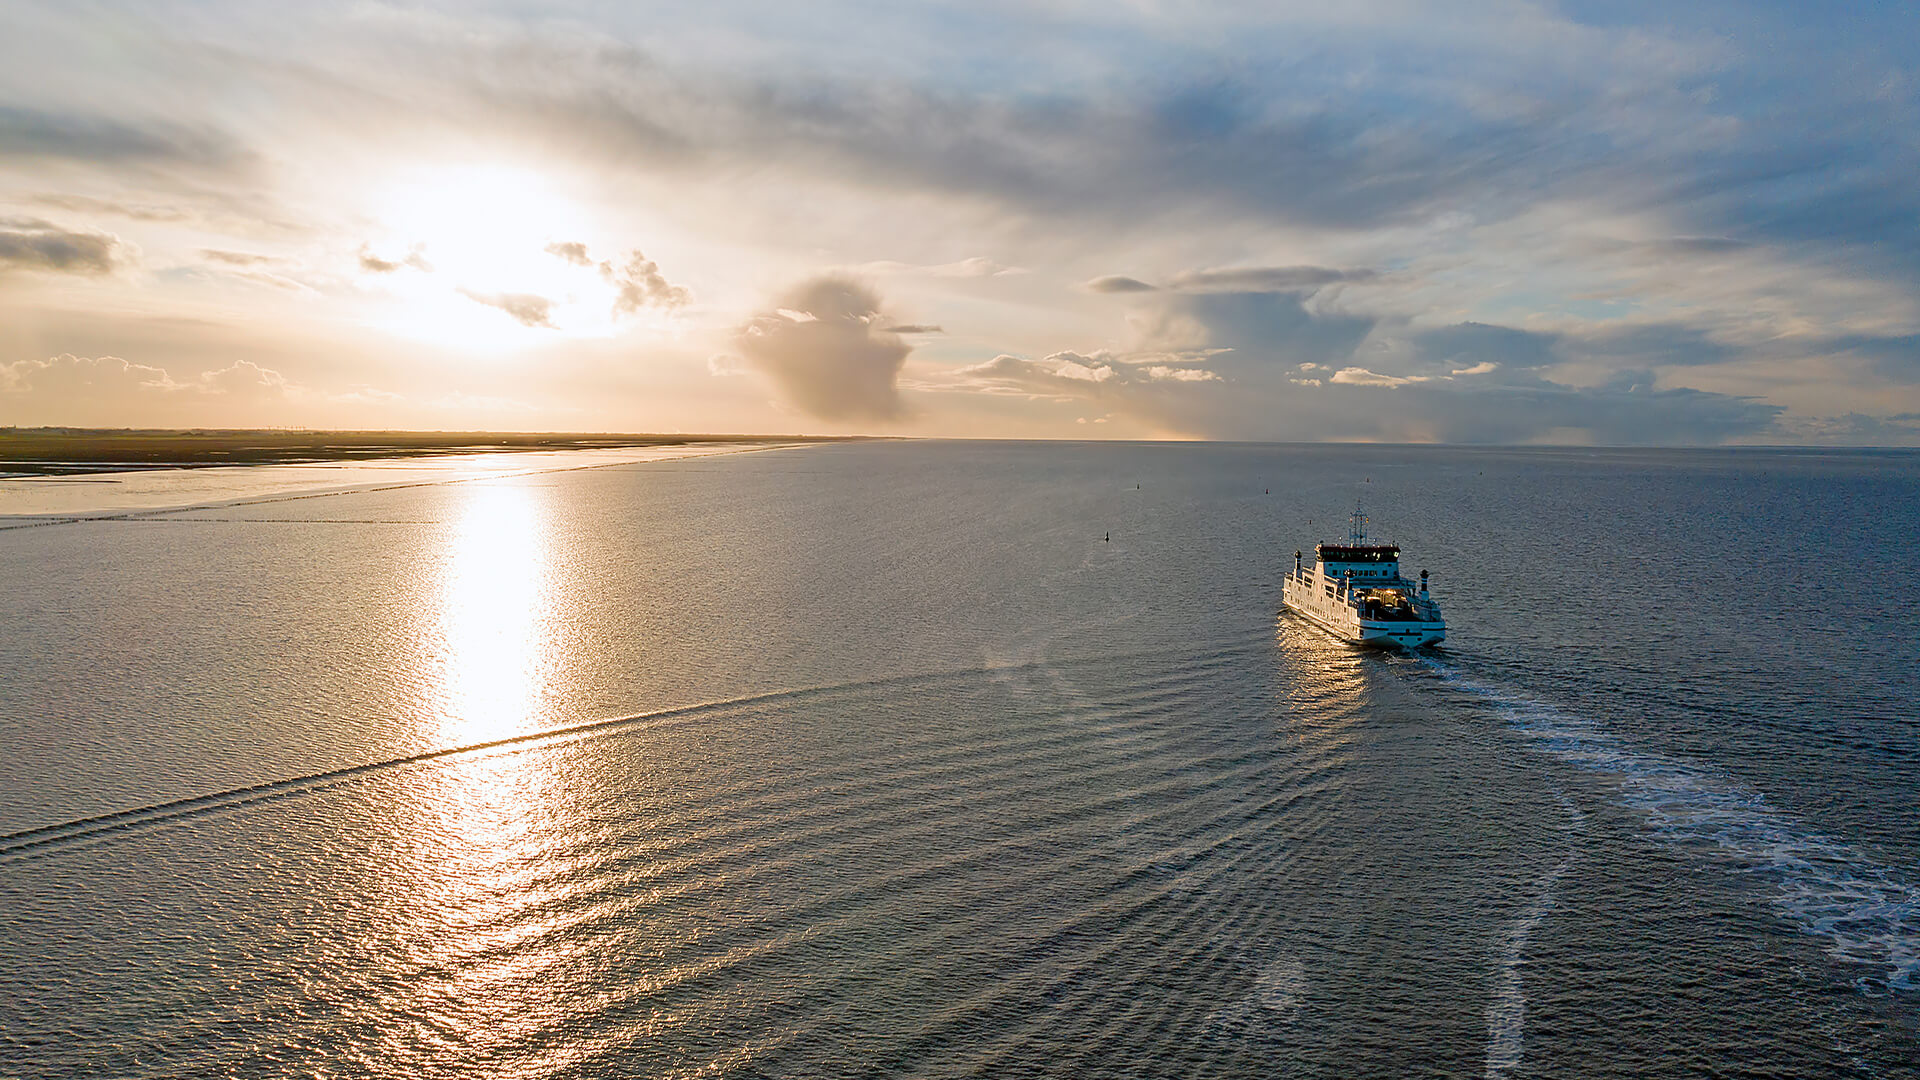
x=526 y=309
x=1118 y=283
x=1649 y=345
x=1257 y=328
x=1466 y=346
x=1282 y=366
x=32 y=244
x=825 y=346
x=415 y=259
x=28 y=133
x=1647 y=126
x=1856 y=429
x=1266 y=278
x=1895 y=356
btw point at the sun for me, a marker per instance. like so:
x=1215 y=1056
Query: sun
x=477 y=260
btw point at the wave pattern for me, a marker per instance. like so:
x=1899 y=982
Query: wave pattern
x=1868 y=914
x=924 y=874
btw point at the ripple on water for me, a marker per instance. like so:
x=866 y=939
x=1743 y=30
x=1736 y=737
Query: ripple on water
x=1867 y=914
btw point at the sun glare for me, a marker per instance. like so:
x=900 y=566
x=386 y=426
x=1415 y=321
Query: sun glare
x=476 y=262
x=493 y=616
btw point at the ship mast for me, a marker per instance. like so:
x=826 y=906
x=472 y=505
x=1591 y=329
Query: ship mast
x=1357 y=526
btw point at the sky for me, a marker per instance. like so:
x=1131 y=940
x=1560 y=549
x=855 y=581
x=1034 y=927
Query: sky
x=1385 y=221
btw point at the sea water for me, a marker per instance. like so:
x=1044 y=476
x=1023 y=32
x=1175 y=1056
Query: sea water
x=969 y=758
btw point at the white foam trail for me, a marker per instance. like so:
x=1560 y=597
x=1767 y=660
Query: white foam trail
x=1507 y=1004
x=1868 y=914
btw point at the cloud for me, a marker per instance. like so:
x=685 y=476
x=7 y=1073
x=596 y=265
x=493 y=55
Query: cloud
x=237 y=258
x=575 y=253
x=1855 y=429
x=912 y=328
x=526 y=308
x=1096 y=376
x=1359 y=376
x=242 y=379
x=31 y=134
x=108 y=390
x=1118 y=283
x=1281 y=366
x=1463 y=347
x=1701 y=245
x=837 y=363
x=32 y=244
x=133 y=211
x=1266 y=278
x=78 y=376
x=977 y=266
x=1258 y=326
x=415 y=259
x=641 y=285
x=638 y=283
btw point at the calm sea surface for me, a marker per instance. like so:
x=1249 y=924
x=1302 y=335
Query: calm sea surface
x=879 y=759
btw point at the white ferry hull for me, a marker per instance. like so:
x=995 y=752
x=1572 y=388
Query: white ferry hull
x=1343 y=621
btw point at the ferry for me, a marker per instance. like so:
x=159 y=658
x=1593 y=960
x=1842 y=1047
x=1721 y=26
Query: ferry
x=1354 y=590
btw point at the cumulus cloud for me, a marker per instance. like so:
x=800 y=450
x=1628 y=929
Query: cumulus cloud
x=78 y=376
x=638 y=282
x=573 y=252
x=641 y=285
x=108 y=390
x=526 y=308
x=826 y=347
x=33 y=244
x=242 y=379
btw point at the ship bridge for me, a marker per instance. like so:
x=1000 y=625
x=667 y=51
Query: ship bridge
x=1366 y=560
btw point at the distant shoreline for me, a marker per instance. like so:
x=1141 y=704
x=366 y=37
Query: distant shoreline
x=30 y=452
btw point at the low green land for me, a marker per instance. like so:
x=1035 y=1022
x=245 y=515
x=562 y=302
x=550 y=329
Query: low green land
x=56 y=450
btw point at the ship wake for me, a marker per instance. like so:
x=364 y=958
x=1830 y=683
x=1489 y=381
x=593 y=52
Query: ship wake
x=1867 y=913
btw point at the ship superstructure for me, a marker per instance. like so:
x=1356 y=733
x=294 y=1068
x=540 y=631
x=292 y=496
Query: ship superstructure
x=1354 y=589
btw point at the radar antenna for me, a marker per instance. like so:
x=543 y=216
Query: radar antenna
x=1357 y=525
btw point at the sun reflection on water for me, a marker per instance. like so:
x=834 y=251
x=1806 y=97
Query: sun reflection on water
x=480 y=947
x=495 y=613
